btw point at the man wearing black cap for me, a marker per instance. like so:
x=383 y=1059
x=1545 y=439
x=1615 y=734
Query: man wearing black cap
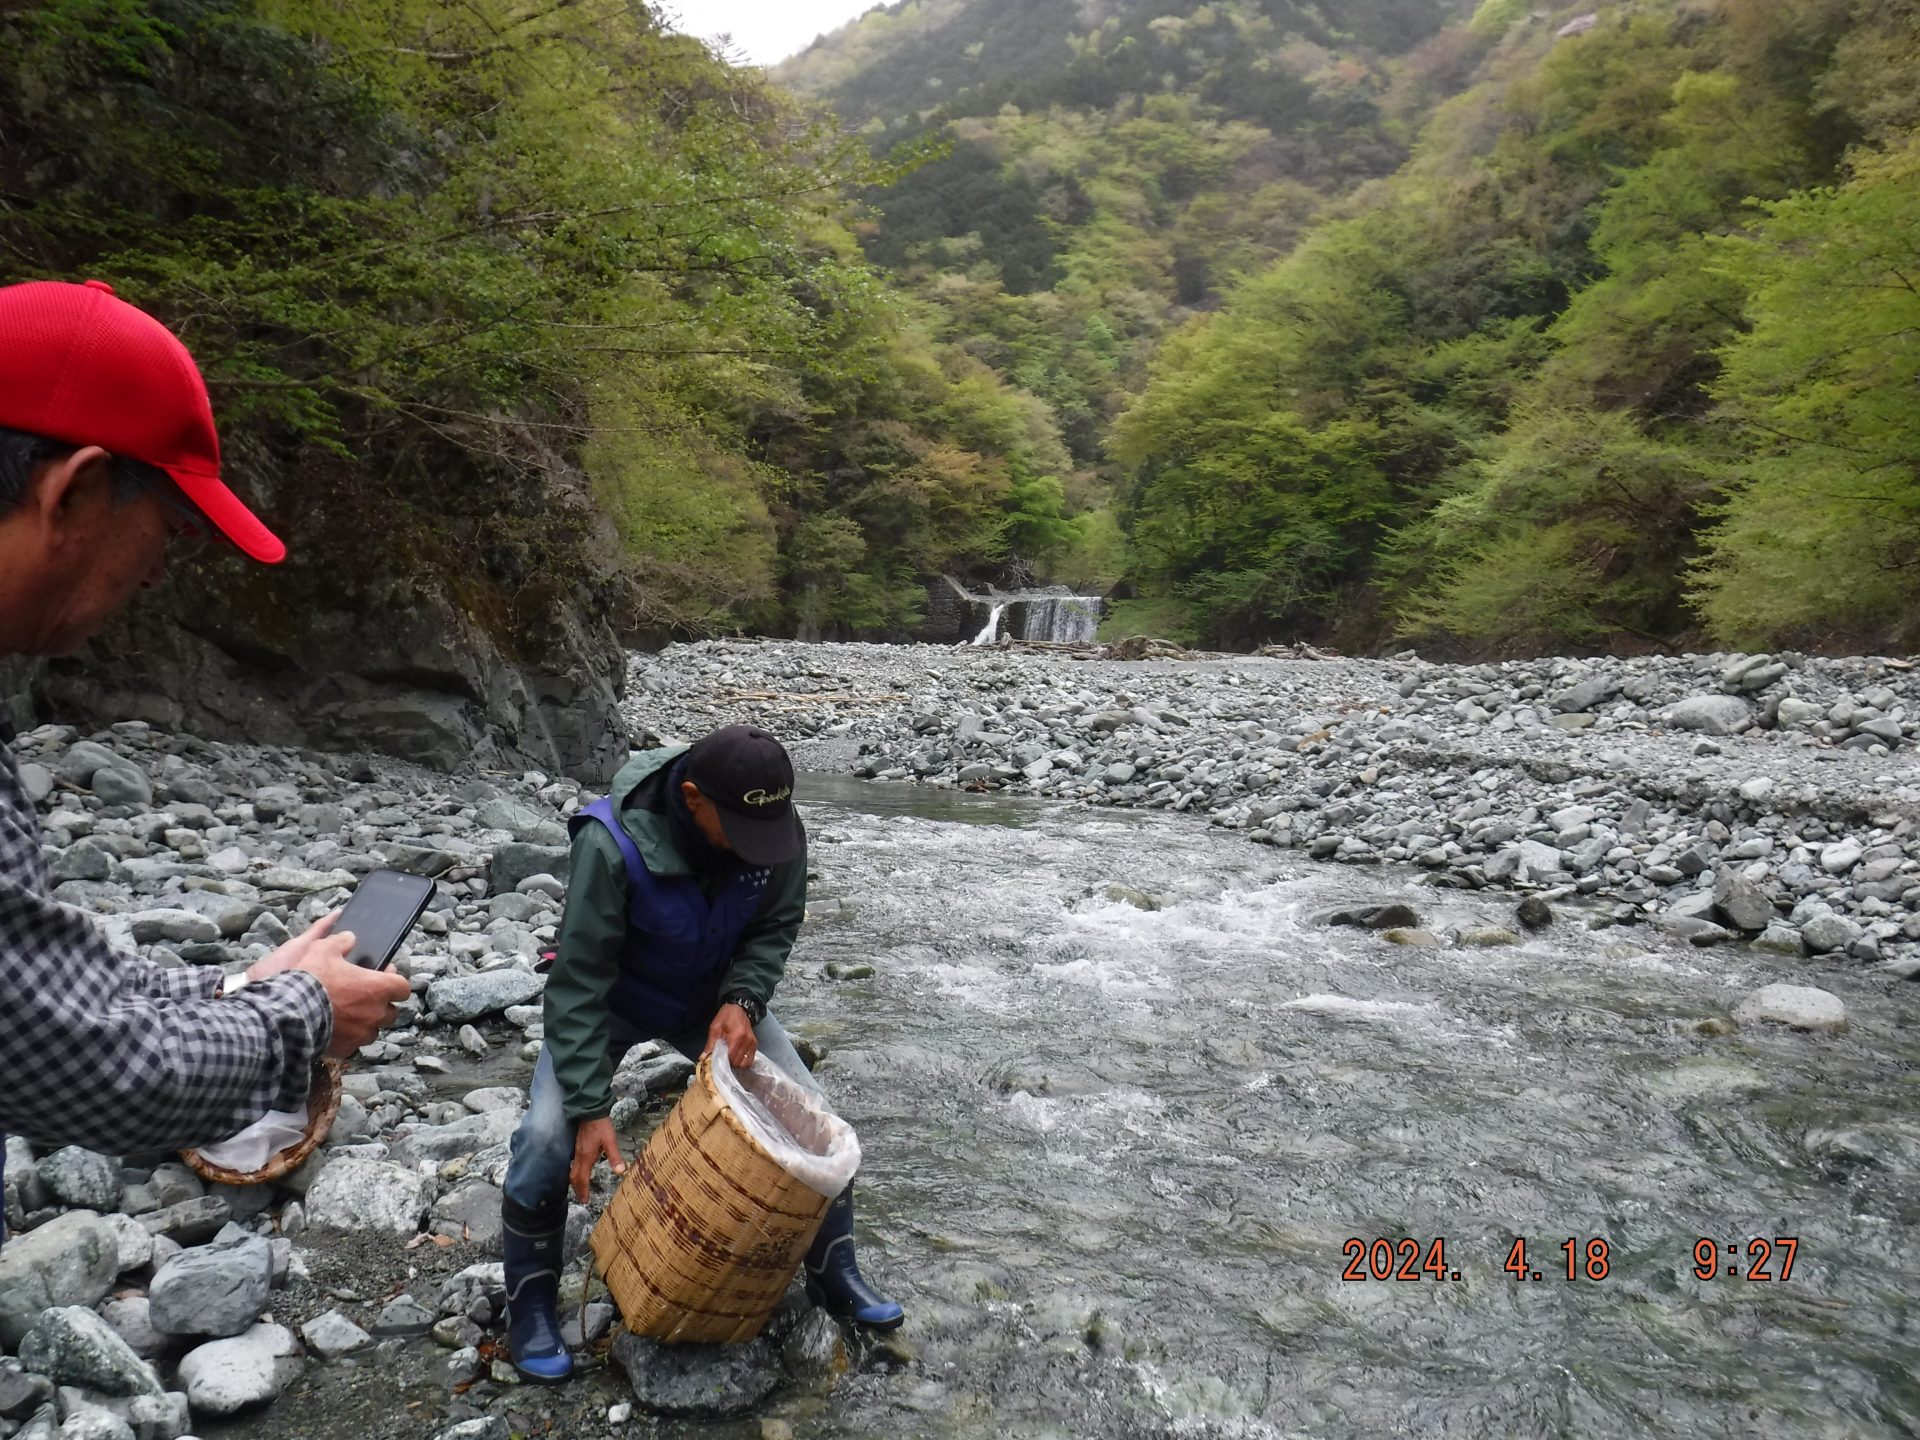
x=688 y=885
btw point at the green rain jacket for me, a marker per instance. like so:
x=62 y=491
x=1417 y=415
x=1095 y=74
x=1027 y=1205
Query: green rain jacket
x=593 y=933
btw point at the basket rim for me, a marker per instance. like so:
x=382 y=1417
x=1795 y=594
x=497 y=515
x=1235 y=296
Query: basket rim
x=323 y=1106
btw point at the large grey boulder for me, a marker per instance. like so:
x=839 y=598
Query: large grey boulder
x=332 y=1335
x=182 y=927
x=461 y=998
x=369 y=1195
x=653 y=1068
x=1596 y=690
x=468 y=1135
x=1801 y=1007
x=1711 y=714
x=1826 y=932
x=71 y=1260
x=73 y=1346
x=219 y=1290
x=698 y=1381
x=225 y=1377
x=521 y=821
x=82 y=1180
x=82 y=759
x=517 y=861
x=1741 y=903
x=124 y=783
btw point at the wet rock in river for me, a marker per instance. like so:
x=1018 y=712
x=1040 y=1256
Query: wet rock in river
x=1534 y=913
x=1826 y=932
x=1741 y=903
x=1801 y=1007
x=1377 y=917
x=697 y=1381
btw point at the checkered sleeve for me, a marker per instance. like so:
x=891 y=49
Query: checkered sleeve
x=179 y=982
x=113 y=1053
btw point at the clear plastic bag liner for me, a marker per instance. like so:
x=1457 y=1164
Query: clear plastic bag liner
x=790 y=1122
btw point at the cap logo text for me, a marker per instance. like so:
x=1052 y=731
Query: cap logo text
x=766 y=797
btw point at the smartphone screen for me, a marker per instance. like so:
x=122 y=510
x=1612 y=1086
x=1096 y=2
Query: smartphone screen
x=385 y=907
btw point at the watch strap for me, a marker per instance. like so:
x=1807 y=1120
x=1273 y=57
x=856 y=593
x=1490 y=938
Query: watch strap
x=756 y=1012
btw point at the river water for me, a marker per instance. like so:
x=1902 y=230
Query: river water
x=1114 y=1156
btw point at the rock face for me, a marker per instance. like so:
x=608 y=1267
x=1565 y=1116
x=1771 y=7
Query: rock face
x=378 y=655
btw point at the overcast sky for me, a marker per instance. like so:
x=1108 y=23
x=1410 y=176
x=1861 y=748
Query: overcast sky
x=765 y=32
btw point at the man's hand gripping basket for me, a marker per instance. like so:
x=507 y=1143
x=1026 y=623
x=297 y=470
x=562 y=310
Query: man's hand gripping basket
x=707 y=1231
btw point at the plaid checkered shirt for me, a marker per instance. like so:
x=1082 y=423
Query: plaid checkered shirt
x=115 y=1053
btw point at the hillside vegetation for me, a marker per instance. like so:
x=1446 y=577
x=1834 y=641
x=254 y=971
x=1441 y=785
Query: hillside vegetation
x=533 y=306
x=1586 y=326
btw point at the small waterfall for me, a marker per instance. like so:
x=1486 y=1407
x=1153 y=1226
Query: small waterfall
x=1062 y=619
x=992 y=632
x=1055 y=616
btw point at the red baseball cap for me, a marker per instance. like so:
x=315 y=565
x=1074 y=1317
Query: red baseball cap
x=78 y=364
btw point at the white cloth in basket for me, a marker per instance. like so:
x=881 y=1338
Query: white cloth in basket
x=259 y=1142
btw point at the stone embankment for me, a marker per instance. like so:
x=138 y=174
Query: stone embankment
x=1728 y=798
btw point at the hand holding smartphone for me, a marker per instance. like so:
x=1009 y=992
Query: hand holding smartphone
x=388 y=904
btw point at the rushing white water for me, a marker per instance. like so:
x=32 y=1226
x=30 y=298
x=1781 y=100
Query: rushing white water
x=1038 y=615
x=1116 y=1157
x=992 y=630
x=1062 y=619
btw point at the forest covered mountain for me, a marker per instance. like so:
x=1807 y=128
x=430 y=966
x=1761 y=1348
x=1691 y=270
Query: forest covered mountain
x=1502 y=325
x=1519 y=326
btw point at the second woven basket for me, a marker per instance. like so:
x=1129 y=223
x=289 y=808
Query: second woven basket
x=704 y=1235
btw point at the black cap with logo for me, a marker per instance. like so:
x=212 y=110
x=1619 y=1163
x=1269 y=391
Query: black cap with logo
x=745 y=772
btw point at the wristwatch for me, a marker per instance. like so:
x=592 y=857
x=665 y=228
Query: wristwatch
x=239 y=980
x=756 y=1012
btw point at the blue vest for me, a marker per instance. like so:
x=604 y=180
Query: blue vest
x=679 y=943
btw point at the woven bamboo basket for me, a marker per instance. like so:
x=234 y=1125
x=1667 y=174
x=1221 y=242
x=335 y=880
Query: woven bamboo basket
x=323 y=1105
x=704 y=1235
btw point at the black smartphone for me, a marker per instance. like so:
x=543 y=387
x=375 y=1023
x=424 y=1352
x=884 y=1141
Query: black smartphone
x=387 y=905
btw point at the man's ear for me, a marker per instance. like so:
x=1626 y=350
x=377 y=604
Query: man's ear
x=66 y=489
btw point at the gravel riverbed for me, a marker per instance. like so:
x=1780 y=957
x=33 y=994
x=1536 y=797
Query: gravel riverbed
x=1764 y=799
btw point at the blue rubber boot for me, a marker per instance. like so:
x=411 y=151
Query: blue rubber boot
x=833 y=1276
x=534 y=1260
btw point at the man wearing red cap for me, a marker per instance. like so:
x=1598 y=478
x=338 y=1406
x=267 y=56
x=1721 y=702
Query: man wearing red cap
x=107 y=454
